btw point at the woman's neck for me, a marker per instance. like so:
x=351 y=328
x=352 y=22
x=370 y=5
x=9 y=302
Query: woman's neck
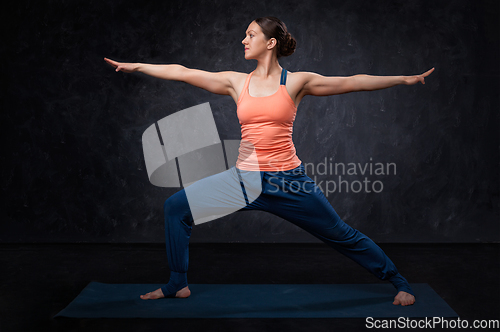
x=266 y=67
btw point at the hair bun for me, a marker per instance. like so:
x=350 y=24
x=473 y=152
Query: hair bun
x=289 y=45
x=273 y=27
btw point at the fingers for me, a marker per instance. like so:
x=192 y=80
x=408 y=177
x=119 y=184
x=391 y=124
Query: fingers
x=117 y=65
x=122 y=66
x=416 y=79
x=427 y=73
x=111 y=62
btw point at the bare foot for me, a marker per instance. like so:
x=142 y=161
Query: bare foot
x=404 y=298
x=158 y=294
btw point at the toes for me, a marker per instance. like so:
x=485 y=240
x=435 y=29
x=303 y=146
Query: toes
x=404 y=299
x=403 y=302
x=152 y=295
x=146 y=296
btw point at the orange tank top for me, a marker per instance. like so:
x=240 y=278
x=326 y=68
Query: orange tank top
x=266 y=130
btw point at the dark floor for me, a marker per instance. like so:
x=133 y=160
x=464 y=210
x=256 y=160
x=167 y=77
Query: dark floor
x=37 y=281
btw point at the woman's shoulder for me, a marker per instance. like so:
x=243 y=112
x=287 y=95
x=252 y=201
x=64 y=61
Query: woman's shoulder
x=236 y=81
x=237 y=78
x=301 y=74
x=233 y=76
x=299 y=78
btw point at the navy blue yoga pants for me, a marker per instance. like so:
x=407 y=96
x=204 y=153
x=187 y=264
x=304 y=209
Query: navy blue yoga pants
x=291 y=195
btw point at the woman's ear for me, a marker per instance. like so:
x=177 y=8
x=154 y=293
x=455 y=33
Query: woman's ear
x=271 y=43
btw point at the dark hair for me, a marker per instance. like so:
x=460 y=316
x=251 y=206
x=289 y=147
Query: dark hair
x=273 y=27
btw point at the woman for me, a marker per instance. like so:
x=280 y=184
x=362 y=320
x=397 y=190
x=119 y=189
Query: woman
x=266 y=115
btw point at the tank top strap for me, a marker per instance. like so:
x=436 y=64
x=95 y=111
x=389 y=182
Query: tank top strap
x=283 y=77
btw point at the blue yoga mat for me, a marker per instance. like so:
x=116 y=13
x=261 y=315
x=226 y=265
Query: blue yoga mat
x=99 y=300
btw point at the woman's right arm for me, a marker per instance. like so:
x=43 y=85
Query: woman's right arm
x=218 y=82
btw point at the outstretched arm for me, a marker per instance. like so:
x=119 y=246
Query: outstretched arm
x=369 y=83
x=318 y=85
x=219 y=82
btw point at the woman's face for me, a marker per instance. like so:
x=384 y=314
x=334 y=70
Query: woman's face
x=255 y=42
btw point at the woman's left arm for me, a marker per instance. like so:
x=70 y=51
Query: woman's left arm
x=318 y=85
x=364 y=82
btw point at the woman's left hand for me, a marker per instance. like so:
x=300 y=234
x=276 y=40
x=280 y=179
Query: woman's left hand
x=409 y=80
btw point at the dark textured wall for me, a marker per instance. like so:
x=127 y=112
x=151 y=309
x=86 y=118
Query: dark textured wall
x=72 y=163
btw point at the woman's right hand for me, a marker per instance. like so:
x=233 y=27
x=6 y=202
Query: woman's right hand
x=123 y=66
x=216 y=82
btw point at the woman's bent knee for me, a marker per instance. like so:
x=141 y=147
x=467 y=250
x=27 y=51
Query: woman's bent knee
x=177 y=207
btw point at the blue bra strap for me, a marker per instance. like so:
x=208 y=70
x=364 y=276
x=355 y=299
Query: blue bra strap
x=283 y=77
